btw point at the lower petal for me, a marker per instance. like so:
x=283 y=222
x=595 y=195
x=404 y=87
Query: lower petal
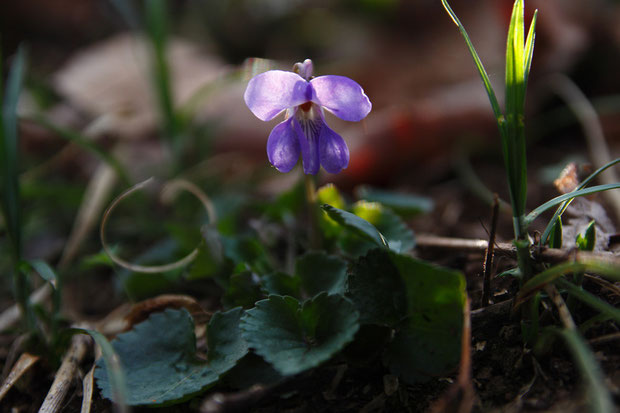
x=333 y=151
x=308 y=135
x=283 y=146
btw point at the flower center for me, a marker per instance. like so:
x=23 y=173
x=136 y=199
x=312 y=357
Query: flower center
x=306 y=106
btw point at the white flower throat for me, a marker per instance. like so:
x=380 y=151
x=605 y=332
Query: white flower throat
x=309 y=119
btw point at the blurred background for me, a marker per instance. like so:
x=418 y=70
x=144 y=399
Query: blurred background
x=118 y=91
x=94 y=58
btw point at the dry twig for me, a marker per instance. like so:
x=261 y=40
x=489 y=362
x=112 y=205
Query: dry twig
x=550 y=255
x=66 y=374
x=87 y=391
x=24 y=363
x=460 y=396
x=235 y=402
x=488 y=259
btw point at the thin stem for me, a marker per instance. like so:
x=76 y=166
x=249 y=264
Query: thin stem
x=488 y=260
x=313 y=211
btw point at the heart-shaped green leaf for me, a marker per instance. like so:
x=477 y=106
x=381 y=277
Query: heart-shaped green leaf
x=295 y=337
x=377 y=289
x=398 y=235
x=158 y=357
x=422 y=302
x=226 y=345
x=429 y=342
x=315 y=272
x=356 y=224
x=319 y=272
x=243 y=290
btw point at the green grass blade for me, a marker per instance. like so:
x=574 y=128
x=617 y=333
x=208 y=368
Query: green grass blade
x=45 y=271
x=555 y=236
x=529 y=47
x=571 y=195
x=551 y=274
x=589 y=299
x=9 y=152
x=481 y=70
x=48 y=274
x=515 y=106
x=558 y=213
x=514 y=62
x=596 y=390
x=157 y=30
x=113 y=367
x=87 y=144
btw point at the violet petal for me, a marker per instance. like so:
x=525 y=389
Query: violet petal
x=341 y=96
x=308 y=135
x=271 y=92
x=333 y=151
x=283 y=146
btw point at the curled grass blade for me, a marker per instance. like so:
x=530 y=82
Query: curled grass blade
x=570 y=196
x=558 y=213
x=168 y=192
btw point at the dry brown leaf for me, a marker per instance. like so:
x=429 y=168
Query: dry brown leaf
x=142 y=310
x=113 y=79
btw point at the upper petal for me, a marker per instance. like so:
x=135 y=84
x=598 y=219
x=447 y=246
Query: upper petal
x=283 y=146
x=271 y=92
x=341 y=96
x=333 y=151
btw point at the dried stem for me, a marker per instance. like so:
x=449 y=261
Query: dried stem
x=23 y=364
x=558 y=301
x=488 y=260
x=87 y=391
x=549 y=255
x=66 y=374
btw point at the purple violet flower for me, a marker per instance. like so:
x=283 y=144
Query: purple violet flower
x=304 y=130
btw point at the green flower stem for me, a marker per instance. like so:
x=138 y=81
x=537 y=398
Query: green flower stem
x=313 y=212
